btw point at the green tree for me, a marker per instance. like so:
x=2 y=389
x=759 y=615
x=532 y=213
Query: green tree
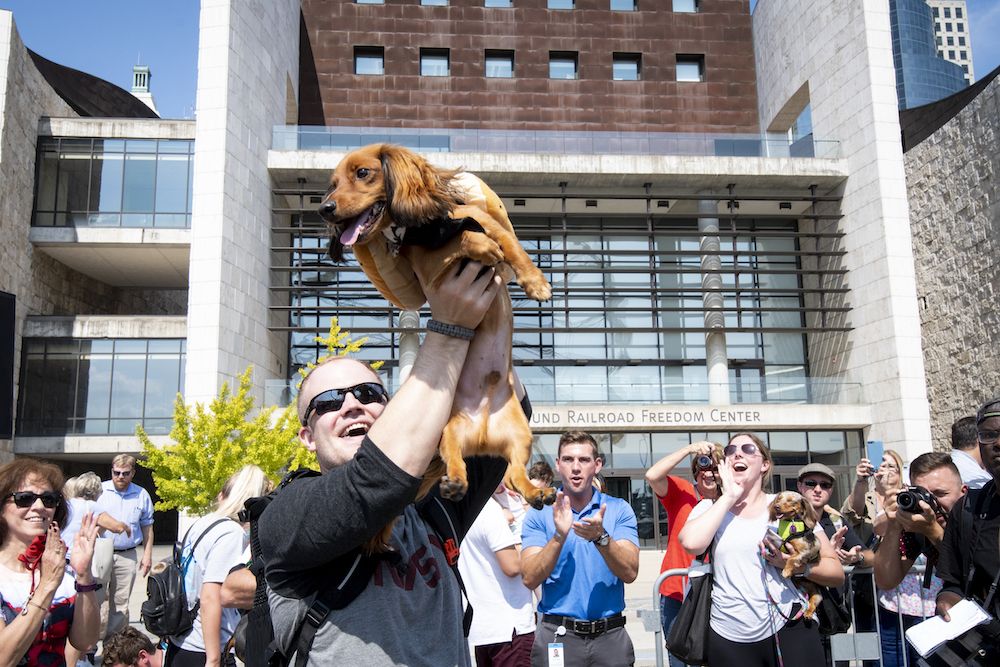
x=210 y=444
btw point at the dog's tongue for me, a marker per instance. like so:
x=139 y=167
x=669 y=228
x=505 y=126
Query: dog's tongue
x=350 y=235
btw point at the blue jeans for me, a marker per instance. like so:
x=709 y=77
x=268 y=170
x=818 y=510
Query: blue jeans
x=668 y=612
x=892 y=650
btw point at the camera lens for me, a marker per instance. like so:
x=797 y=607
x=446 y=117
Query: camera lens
x=907 y=501
x=704 y=462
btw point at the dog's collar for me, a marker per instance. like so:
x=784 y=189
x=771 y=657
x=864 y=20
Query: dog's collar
x=431 y=236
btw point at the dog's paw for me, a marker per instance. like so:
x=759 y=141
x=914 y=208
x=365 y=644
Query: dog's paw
x=550 y=497
x=481 y=248
x=536 y=287
x=453 y=489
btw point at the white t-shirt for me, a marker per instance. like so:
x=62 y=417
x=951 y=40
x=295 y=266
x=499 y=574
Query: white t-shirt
x=741 y=610
x=78 y=507
x=217 y=553
x=501 y=604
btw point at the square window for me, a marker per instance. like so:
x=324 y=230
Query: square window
x=369 y=60
x=559 y=4
x=626 y=66
x=947 y=27
x=434 y=3
x=499 y=64
x=434 y=62
x=498 y=3
x=690 y=68
x=685 y=6
x=562 y=65
x=623 y=5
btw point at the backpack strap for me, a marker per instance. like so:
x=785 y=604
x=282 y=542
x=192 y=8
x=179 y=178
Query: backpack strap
x=971 y=511
x=183 y=566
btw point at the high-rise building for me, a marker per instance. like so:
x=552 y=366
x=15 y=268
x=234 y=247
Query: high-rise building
x=952 y=35
x=717 y=198
x=922 y=75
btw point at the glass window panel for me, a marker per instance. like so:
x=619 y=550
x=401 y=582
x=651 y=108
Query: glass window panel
x=140 y=145
x=685 y=384
x=788 y=447
x=668 y=443
x=434 y=3
x=625 y=67
x=623 y=5
x=499 y=64
x=629 y=450
x=48 y=170
x=106 y=185
x=128 y=386
x=172 y=184
x=74 y=182
x=690 y=69
x=562 y=66
x=685 y=6
x=433 y=63
x=175 y=146
x=94 y=397
x=498 y=3
x=369 y=60
x=140 y=176
x=783 y=348
x=559 y=4
x=581 y=384
x=645 y=506
x=634 y=384
x=544 y=447
x=162 y=372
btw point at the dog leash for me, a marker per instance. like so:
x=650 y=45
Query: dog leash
x=774 y=604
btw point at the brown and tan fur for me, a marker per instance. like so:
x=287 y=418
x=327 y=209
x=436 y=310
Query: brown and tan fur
x=802 y=549
x=407 y=191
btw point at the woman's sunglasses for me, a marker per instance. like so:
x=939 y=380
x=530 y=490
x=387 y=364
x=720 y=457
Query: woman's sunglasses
x=813 y=483
x=748 y=448
x=333 y=399
x=27 y=498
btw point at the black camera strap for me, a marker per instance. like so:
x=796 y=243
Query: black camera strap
x=973 y=515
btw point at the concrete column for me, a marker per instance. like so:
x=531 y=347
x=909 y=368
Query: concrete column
x=716 y=358
x=409 y=342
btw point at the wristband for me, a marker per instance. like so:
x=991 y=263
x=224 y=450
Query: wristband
x=453 y=330
x=86 y=588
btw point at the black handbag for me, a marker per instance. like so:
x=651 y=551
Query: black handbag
x=688 y=638
x=833 y=614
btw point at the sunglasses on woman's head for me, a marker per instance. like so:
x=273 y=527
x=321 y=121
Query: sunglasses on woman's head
x=27 y=498
x=748 y=448
x=813 y=483
x=332 y=400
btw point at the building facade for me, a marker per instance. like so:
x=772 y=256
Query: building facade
x=922 y=74
x=952 y=35
x=718 y=202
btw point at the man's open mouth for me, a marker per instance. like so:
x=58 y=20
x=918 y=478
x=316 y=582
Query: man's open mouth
x=355 y=229
x=356 y=430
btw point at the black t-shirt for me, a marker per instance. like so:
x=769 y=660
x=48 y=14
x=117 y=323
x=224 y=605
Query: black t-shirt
x=985 y=551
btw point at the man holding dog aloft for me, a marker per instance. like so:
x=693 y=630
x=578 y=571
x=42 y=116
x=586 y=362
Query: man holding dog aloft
x=373 y=453
x=580 y=551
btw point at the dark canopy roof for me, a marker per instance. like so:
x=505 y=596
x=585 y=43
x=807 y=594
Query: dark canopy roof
x=88 y=95
x=918 y=123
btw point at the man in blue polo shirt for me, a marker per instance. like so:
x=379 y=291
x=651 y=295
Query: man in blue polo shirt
x=581 y=551
x=129 y=503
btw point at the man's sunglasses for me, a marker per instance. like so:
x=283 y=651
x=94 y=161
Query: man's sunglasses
x=813 y=483
x=748 y=448
x=27 y=498
x=333 y=399
x=988 y=437
x=121 y=473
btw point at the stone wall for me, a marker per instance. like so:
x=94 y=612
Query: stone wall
x=953 y=182
x=42 y=285
x=840 y=54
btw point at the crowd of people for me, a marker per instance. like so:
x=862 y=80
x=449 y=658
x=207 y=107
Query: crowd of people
x=546 y=587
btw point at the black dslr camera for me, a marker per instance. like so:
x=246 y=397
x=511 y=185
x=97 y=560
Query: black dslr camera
x=908 y=500
x=704 y=462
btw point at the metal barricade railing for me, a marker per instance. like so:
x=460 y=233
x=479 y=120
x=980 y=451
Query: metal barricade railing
x=851 y=646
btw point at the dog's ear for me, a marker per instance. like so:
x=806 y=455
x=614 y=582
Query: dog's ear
x=772 y=510
x=808 y=515
x=415 y=190
x=335 y=250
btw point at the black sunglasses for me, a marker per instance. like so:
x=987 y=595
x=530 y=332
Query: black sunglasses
x=813 y=483
x=27 y=498
x=748 y=448
x=333 y=399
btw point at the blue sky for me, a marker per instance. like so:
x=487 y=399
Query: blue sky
x=107 y=37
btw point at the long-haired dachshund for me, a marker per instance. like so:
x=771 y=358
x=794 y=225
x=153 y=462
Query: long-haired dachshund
x=408 y=222
x=794 y=520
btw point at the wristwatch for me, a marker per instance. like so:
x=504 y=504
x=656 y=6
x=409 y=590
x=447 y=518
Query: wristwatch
x=86 y=588
x=602 y=539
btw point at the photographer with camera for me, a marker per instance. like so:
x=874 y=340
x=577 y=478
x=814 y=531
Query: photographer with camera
x=916 y=518
x=969 y=563
x=678 y=496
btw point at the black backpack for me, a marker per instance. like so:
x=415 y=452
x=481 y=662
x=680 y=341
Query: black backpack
x=165 y=612
x=254 y=636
